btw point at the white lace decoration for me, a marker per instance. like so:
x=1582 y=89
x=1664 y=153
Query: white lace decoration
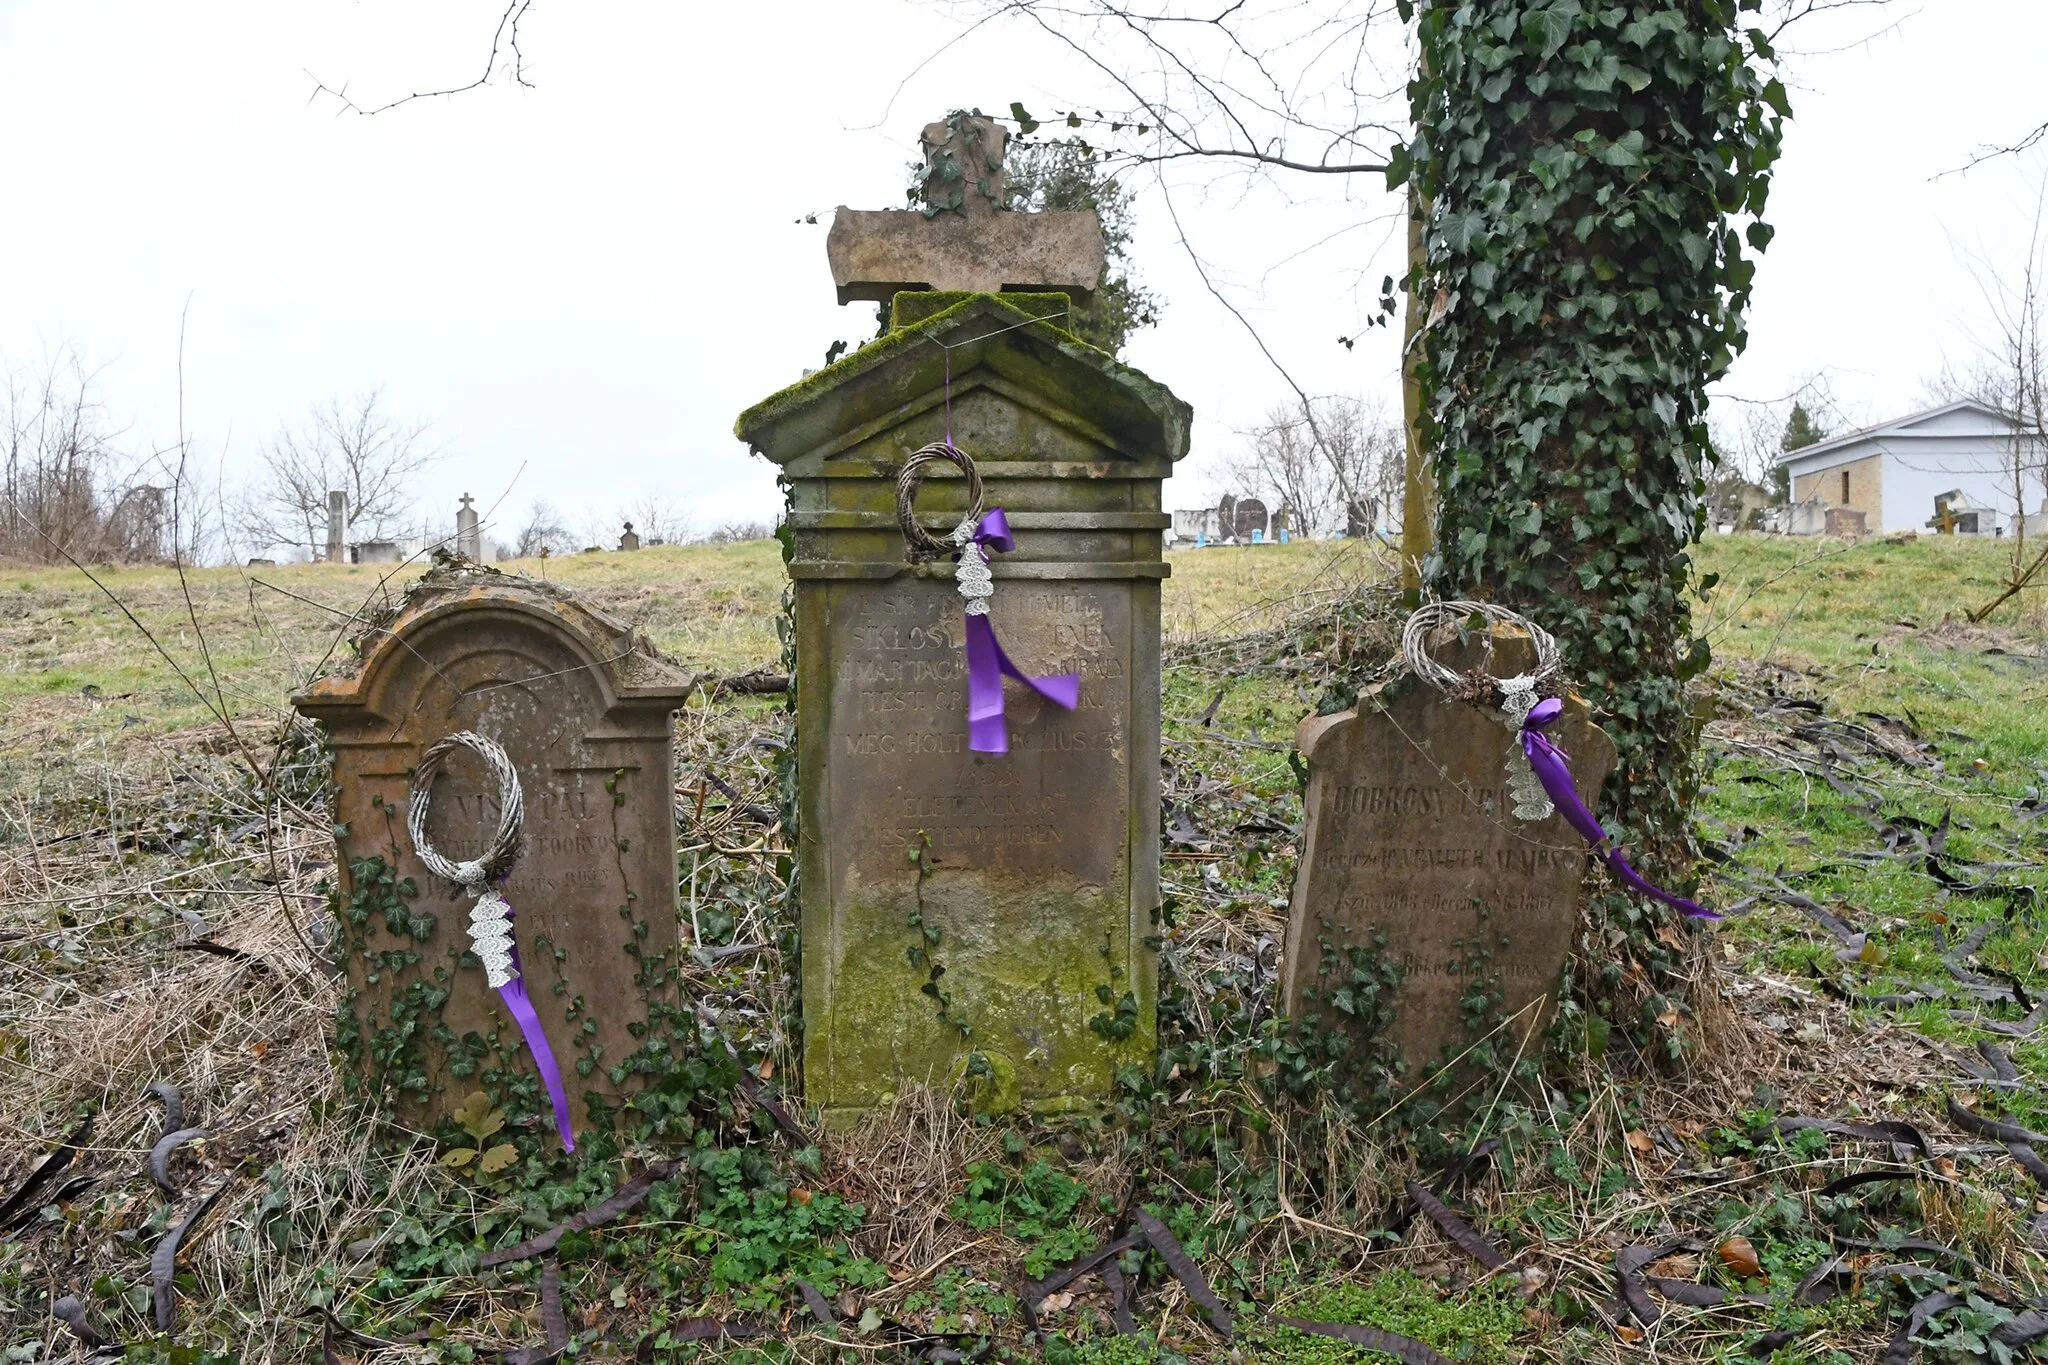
x=490 y=936
x=972 y=575
x=490 y=919
x=1517 y=699
x=1518 y=694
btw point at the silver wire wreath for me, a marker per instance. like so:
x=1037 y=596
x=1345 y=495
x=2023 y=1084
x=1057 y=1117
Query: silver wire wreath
x=921 y=543
x=490 y=919
x=1518 y=695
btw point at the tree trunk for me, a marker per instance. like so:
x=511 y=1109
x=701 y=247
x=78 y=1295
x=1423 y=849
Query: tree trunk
x=1580 y=168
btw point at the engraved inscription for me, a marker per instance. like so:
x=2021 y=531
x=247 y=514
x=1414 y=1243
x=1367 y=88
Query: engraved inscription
x=900 y=773
x=1410 y=836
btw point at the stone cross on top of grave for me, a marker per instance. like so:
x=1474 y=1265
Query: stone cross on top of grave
x=967 y=239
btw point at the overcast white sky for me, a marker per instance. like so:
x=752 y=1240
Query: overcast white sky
x=591 y=277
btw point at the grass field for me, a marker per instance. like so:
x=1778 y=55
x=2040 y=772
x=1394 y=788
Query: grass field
x=1877 y=774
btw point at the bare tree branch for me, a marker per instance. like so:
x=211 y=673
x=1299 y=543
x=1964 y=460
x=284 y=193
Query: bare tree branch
x=506 y=36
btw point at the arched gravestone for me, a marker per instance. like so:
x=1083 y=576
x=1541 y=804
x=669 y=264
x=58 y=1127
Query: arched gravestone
x=1249 y=518
x=584 y=710
x=965 y=912
x=1411 y=833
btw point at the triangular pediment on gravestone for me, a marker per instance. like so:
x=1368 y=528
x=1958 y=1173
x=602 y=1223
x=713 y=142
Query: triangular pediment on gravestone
x=989 y=344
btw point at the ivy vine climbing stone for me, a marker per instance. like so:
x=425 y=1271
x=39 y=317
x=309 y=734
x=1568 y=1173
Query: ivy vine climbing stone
x=1588 y=168
x=583 y=707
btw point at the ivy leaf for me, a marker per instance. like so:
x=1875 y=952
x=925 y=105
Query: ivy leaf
x=1626 y=150
x=1775 y=96
x=1636 y=79
x=1552 y=164
x=1026 y=124
x=1550 y=27
x=497 y=1159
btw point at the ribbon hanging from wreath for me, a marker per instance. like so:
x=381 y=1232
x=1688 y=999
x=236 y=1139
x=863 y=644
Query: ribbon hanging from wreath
x=976 y=535
x=1539 y=772
x=490 y=918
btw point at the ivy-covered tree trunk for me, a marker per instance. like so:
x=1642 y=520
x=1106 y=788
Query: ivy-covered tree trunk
x=1585 y=162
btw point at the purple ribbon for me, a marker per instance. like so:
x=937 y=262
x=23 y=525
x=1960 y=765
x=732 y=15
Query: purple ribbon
x=513 y=993
x=987 y=663
x=1553 y=770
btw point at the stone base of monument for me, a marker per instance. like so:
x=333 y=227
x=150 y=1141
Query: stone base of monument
x=1413 y=855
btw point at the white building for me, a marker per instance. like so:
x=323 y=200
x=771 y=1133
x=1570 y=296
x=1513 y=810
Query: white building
x=1893 y=472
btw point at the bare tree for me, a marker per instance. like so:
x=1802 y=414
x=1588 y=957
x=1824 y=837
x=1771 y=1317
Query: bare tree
x=546 y=532
x=657 y=516
x=354 y=447
x=1345 y=468
x=733 y=532
x=68 y=492
x=2009 y=375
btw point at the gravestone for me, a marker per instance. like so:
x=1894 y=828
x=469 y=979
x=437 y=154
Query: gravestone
x=1411 y=832
x=337 y=525
x=629 y=539
x=967 y=239
x=469 y=541
x=583 y=707
x=975 y=914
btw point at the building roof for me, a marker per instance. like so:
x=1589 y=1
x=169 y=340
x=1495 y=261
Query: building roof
x=1921 y=425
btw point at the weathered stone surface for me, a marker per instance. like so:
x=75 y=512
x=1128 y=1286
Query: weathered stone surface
x=1036 y=870
x=1411 y=832
x=963 y=165
x=876 y=253
x=583 y=708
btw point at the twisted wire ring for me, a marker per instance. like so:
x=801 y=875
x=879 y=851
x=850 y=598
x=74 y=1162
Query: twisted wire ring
x=498 y=858
x=1415 y=642
x=919 y=543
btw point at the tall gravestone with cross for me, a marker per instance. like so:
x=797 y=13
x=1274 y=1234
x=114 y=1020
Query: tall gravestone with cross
x=582 y=708
x=978 y=915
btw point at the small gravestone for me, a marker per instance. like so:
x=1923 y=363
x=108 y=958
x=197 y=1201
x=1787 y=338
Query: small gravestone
x=1411 y=834
x=583 y=708
x=629 y=539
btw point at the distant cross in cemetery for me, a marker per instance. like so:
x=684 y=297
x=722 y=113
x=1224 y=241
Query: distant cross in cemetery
x=468 y=540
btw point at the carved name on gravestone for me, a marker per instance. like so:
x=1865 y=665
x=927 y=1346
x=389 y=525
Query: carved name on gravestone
x=584 y=709
x=1411 y=832
x=964 y=913
x=968 y=240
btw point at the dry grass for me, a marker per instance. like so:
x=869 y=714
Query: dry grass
x=121 y=840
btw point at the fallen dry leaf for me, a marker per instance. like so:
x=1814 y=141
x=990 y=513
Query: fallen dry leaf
x=1641 y=1141
x=1740 y=1257
x=1628 y=1333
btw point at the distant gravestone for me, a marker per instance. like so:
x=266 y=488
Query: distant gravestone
x=1250 y=520
x=469 y=541
x=583 y=709
x=337 y=525
x=630 y=539
x=1411 y=834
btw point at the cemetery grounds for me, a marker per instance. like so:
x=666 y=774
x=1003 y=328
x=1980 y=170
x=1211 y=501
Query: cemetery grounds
x=1876 y=777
